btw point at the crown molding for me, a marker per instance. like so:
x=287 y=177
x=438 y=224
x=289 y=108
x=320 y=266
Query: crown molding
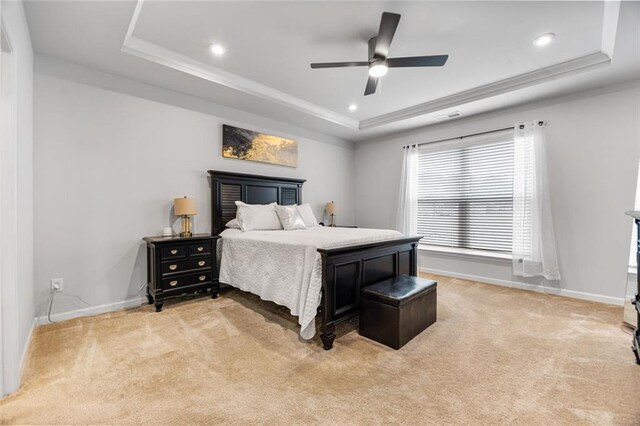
x=155 y=53
x=521 y=81
x=584 y=63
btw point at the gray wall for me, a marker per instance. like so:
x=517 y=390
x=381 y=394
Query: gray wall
x=593 y=147
x=16 y=25
x=112 y=153
x=108 y=164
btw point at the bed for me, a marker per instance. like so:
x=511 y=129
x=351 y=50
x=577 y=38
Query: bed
x=347 y=259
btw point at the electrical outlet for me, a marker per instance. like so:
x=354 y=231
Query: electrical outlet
x=56 y=285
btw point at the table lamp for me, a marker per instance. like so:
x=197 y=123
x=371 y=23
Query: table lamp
x=185 y=207
x=331 y=210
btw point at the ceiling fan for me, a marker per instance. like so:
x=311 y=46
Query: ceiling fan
x=379 y=62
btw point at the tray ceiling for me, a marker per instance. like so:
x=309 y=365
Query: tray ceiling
x=269 y=46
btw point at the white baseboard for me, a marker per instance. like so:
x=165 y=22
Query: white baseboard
x=25 y=350
x=93 y=310
x=619 y=301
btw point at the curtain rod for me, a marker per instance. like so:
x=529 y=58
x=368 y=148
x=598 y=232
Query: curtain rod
x=540 y=123
x=461 y=137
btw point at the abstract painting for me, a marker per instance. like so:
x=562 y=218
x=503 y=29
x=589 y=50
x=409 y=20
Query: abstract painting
x=248 y=145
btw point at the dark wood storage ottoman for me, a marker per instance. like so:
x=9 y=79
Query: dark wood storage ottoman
x=394 y=311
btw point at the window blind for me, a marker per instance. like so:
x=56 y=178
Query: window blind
x=465 y=195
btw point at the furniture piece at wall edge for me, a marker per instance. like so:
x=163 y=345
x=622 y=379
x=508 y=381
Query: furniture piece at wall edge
x=178 y=266
x=635 y=344
x=345 y=270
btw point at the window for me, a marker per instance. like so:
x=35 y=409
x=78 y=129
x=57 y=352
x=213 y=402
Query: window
x=465 y=193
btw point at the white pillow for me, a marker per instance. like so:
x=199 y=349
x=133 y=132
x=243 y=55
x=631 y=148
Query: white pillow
x=233 y=223
x=307 y=215
x=290 y=218
x=257 y=217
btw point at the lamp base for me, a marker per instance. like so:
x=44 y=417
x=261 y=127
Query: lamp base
x=186 y=227
x=333 y=221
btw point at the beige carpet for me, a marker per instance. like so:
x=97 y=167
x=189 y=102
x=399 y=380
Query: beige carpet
x=495 y=356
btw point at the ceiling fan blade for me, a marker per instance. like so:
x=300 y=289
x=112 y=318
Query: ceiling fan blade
x=388 y=25
x=339 y=64
x=372 y=85
x=418 y=61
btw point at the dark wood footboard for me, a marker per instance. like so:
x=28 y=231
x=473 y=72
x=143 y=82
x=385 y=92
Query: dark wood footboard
x=346 y=270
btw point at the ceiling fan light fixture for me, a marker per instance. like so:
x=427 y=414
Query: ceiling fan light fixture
x=217 y=49
x=378 y=69
x=544 y=39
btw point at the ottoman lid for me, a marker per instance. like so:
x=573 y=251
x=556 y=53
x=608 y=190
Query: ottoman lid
x=399 y=290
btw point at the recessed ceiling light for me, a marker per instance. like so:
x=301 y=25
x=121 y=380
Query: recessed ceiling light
x=378 y=69
x=217 y=49
x=352 y=107
x=544 y=39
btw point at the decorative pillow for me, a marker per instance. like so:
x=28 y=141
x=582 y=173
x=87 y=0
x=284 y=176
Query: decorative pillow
x=233 y=223
x=307 y=215
x=257 y=217
x=290 y=218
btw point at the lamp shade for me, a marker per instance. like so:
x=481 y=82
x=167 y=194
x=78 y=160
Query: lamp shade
x=330 y=208
x=185 y=206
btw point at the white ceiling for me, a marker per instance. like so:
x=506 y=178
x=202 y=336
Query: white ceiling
x=274 y=45
x=265 y=70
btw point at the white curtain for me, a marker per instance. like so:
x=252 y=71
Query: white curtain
x=534 y=246
x=407 y=219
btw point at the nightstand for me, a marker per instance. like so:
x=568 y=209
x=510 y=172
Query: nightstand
x=177 y=266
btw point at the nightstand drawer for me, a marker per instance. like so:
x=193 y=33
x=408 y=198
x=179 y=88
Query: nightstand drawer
x=186 y=280
x=186 y=265
x=174 y=252
x=199 y=249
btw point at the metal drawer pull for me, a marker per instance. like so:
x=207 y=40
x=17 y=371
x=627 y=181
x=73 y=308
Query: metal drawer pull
x=173 y=267
x=173 y=283
x=201 y=263
x=174 y=251
x=202 y=277
x=200 y=248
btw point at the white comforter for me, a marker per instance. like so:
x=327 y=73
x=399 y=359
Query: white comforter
x=284 y=266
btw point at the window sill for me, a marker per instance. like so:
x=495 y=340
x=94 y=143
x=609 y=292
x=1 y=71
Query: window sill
x=466 y=252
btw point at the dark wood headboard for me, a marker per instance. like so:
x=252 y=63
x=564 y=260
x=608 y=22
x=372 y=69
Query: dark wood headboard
x=227 y=188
